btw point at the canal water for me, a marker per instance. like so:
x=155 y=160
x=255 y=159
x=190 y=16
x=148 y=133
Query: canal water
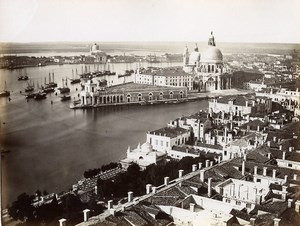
x=49 y=146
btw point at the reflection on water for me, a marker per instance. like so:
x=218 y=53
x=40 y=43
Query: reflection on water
x=52 y=145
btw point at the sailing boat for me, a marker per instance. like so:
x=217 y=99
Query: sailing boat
x=4 y=93
x=23 y=77
x=64 y=89
x=74 y=80
x=29 y=87
x=51 y=84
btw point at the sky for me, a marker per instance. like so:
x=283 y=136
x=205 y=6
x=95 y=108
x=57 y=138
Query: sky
x=265 y=21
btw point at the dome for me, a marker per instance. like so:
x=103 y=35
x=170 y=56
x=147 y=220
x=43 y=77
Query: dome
x=146 y=147
x=211 y=55
x=95 y=48
x=194 y=58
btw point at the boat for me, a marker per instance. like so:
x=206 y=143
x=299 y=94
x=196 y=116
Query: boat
x=48 y=89
x=29 y=87
x=64 y=89
x=23 y=77
x=4 y=93
x=40 y=96
x=65 y=97
x=74 y=80
x=31 y=95
x=51 y=84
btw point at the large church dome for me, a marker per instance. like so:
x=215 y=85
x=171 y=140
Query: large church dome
x=211 y=55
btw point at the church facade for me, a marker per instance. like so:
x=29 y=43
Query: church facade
x=208 y=68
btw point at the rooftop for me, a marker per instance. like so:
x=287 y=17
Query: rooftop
x=169 y=131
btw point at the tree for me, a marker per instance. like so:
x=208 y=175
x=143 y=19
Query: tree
x=22 y=209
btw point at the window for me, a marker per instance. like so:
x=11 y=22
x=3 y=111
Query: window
x=228 y=200
x=290 y=165
x=161 y=143
x=156 y=142
x=248 y=205
x=167 y=144
x=238 y=203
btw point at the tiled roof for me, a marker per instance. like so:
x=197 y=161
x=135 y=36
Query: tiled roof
x=241 y=214
x=277 y=207
x=169 y=71
x=169 y=131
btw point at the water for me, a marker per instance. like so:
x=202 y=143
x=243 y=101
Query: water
x=51 y=145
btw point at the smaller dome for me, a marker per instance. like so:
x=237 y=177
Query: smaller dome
x=95 y=48
x=211 y=55
x=146 y=147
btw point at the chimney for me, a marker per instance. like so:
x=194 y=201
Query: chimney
x=194 y=167
x=274 y=174
x=290 y=148
x=211 y=163
x=148 y=188
x=246 y=103
x=269 y=143
x=245 y=157
x=86 y=214
x=283 y=155
x=130 y=196
x=280 y=147
x=96 y=190
x=248 y=128
x=284 y=193
x=290 y=203
x=255 y=170
x=202 y=175
x=200 y=165
x=252 y=221
x=243 y=168
x=274 y=139
x=276 y=221
x=180 y=173
x=153 y=190
x=219 y=159
x=258 y=199
x=207 y=163
x=295 y=176
x=285 y=178
x=166 y=181
x=297 y=206
x=269 y=155
x=110 y=204
x=62 y=222
x=112 y=212
x=265 y=171
x=209 y=187
x=192 y=207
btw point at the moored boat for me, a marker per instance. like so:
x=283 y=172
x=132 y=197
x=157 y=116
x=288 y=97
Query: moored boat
x=65 y=97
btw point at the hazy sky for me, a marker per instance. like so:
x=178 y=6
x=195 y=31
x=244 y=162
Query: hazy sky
x=150 y=20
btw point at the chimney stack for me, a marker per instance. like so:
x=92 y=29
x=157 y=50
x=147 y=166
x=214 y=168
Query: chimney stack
x=202 y=175
x=148 y=188
x=276 y=221
x=211 y=163
x=209 y=187
x=110 y=204
x=290 y=203
x=96 y=190
x=130 y=196
x=166 y=180
x=207 y=163
x=194 y=167
x=255 y=170
x=86 y=214
x=283 y=155
x=219 y=159
x=252 y=221
x=153 y=190
x=274 y=139
x=200 y=165
x=62 y=222
x=274 y=174
x=265 y=171
x=180 y=173
x=295 y=176
x=192 y=207
x=290 y=148
x=269 y=155
x=243 y=168
x=285 y=178
x=269 y=143
x=297 y=206
x=280 y=147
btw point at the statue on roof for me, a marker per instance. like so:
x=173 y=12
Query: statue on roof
x=211 y=40
x=196 y=47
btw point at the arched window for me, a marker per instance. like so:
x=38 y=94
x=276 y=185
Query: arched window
x=150 y=96
x=140 y=97
x=161 y=95
x=128 y=98
x=181 y=94
x=171 y=94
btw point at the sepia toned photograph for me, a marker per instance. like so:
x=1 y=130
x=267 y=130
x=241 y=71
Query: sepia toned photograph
x=150 y=112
